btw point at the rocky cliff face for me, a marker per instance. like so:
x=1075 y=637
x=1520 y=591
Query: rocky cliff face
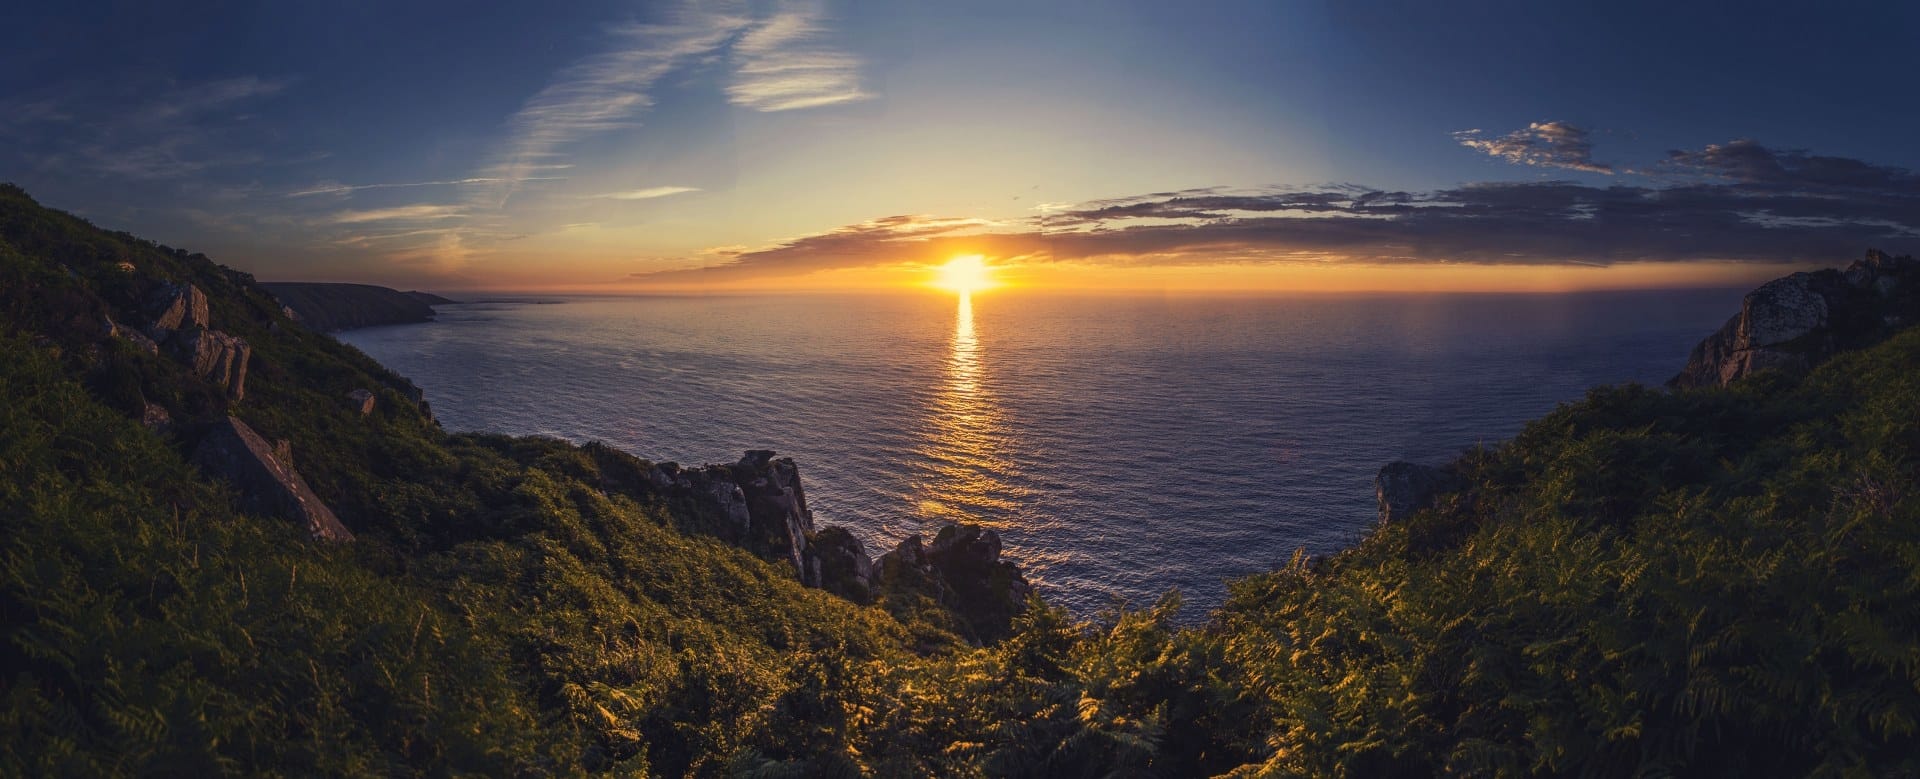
x=757 y=503
x=760 y=504
x=333 y=307
x=1800 y=320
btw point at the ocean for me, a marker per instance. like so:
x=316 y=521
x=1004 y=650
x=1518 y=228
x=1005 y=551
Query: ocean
x=1122 y=446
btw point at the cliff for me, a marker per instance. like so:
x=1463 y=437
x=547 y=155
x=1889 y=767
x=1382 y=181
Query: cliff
x=1798 y=321
x=334 y=307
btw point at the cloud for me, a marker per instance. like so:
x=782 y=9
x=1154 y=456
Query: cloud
x=337 y=188
x=1543 y=144
x=1717 y=204
x=139 y=131
x=421 y=212
x=207 y=96
x=646 y=194
x=1750 y=163
x=782 y=64
x=607 y=90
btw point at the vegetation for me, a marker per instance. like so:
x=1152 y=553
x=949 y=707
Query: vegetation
x=1705 y=582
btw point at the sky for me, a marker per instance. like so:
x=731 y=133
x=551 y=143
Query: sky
x=602 y=146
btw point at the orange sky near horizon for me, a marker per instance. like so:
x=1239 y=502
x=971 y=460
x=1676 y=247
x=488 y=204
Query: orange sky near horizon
x=1222 y=279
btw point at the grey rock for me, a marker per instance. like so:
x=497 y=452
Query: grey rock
x=838 y=563
x=961 y=569
x=1783 y=310
x=177 y=306
x=265 y=479
x=214 y=356
x=1802 y=319
x=731 y=503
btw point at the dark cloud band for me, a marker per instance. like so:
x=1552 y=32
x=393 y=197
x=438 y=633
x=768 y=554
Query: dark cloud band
x=1735 y=202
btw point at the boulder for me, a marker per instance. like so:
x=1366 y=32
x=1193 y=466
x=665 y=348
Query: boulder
x=265 y=478
x=177 y=306
x=362 y=400
x=1402 y=488
x=214 y=356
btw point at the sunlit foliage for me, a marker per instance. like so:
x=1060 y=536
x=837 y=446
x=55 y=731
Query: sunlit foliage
x=1711 y=582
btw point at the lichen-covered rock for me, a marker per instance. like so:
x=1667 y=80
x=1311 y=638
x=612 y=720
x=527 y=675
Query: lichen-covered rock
x=1402 y=488
x=265 y=479
x=214 y=356
x=362 y=401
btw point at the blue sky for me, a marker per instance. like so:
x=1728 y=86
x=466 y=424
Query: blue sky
x=607 y=144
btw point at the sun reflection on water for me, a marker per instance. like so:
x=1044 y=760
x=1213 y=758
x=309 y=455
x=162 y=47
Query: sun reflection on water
x=965 y=458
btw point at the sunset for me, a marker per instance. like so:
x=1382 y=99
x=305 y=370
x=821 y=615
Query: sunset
x=1231 y=388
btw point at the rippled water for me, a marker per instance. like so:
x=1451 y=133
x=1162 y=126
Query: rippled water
x=1123 y=446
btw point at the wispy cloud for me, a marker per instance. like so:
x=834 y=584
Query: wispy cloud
x=606 y=91
x=785 y=63
x=1543 y=144
x=141 y=132
x=422 y=212
x=337 y=188
x=781 y=61
x=648 y=193
x=200 y=98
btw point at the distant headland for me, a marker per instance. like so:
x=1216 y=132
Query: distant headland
x=330 y=307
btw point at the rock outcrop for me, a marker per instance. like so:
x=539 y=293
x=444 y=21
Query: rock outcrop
x=757 y=503
x=961 y=570
x=838 y=563
x=264 y=477
x=334 y=307
x=1800 y=320
x=179 y=318
x=1402 y=488
x=362 y=401
x=215 y=356
x=177 y=306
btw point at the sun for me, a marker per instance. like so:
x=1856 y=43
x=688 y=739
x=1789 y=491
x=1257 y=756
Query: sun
x=966 y=273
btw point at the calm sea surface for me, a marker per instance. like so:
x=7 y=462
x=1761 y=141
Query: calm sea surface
x=1122 y=446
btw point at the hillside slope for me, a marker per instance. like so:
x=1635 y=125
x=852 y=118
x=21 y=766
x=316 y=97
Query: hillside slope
x=1716 y=581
